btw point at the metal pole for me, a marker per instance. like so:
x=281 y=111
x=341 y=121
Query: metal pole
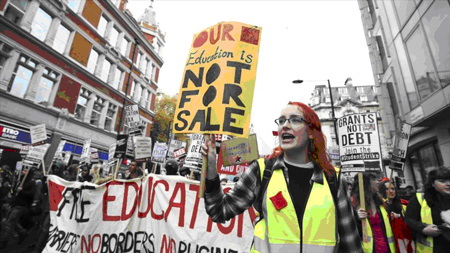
x=332 y=113
x=127 y=86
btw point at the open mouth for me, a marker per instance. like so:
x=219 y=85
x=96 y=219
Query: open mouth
x=287 y=137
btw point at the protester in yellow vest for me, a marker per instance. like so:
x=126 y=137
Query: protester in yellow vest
x=302 y=208
x=378 y=236
x=428 y=215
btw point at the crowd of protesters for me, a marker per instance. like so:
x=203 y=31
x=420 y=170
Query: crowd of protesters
x=387 y=222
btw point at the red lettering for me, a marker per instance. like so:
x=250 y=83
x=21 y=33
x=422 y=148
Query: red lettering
x=226 y=32
x=126 y=216
x=211 y=35
x=99 y=243
x=179 y=187
x=168 y=245
x=149 y=187
x=85 y=244
x=106 y=199
x=166 y=186
x=196 y=188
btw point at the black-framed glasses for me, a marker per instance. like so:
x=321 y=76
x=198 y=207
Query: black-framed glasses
x=293 y=121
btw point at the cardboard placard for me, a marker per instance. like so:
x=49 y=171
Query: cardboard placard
x=359 y=143
x=216 y=93
x=38 y=134
x=142 y=147
x=401 y=140
x=239 y=150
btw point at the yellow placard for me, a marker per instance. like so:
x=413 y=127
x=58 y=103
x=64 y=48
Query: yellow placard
x=216 y=92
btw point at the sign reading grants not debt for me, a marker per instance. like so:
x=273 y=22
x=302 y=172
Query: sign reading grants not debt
x=359 y=143
x=216 y=93
x=155 y=214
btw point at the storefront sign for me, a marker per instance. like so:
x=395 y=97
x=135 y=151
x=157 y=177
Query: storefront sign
x=14 y=134
x=359 y=143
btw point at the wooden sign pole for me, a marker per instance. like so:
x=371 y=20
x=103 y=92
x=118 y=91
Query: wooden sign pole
x=362 y=204
x=204 y=171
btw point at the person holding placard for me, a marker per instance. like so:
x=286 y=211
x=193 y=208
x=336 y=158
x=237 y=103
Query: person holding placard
x=378 y=234
x=133 y=171
x=302 y=208
x=428 y=214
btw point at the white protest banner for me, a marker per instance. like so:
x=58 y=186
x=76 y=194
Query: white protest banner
x=142 y=147
x=154 y=214
x=359 y=143
x=401 y=139
x=174 y=145
x=194 y=157
x=38 y=134
x=132 y=119
x=159 y=152
x=85 y=154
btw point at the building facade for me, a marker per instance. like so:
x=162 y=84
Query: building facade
x=73 y=65
x=408 y=44
x=347 y=99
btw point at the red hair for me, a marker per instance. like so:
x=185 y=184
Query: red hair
x=318 y=153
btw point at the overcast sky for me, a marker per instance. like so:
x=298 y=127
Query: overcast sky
x=305 y=39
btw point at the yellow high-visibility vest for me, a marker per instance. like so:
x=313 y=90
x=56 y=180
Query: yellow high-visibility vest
x=279 y=230
x=368 y=240
x=424 y=243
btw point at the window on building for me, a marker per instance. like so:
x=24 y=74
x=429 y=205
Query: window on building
x=423 y=160
x=342 y=90
x=113 y=35
x=81 y=108
x=92 y=62
x=326 y=91
x=327 y=100
x=145 y=66
x=375 y=89
x=406 y=73
x=147 y=100
x=110 y=116
x=143 y=99
x=149 y=70
x=138 y=60
x=436 y=23
x=48 y=79
x=5 y=49
x=360 y=89
x=153 y=73
x=344 y=97
x=363 y=98
x=97 y=111
x=137 y=93
x=316 y=100
x=61 y=39
x=404 y=10
x=133 y=87
x=41 y=24
x=106 y=69
x=117 y=78
x=22 y=76
x=421 y=63
x=101 y=28
x=382 y=51
x=74 y=5
x=15 y=10
x=124 y=47
x=371 y=10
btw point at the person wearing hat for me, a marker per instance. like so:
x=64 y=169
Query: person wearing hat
x=171 y=167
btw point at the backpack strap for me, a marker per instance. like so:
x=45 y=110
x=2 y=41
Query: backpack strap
x=265 y=168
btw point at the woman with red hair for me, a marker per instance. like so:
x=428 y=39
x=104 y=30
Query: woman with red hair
x=302 y=208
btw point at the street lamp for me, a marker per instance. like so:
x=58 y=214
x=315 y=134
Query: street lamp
x=332 y=107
